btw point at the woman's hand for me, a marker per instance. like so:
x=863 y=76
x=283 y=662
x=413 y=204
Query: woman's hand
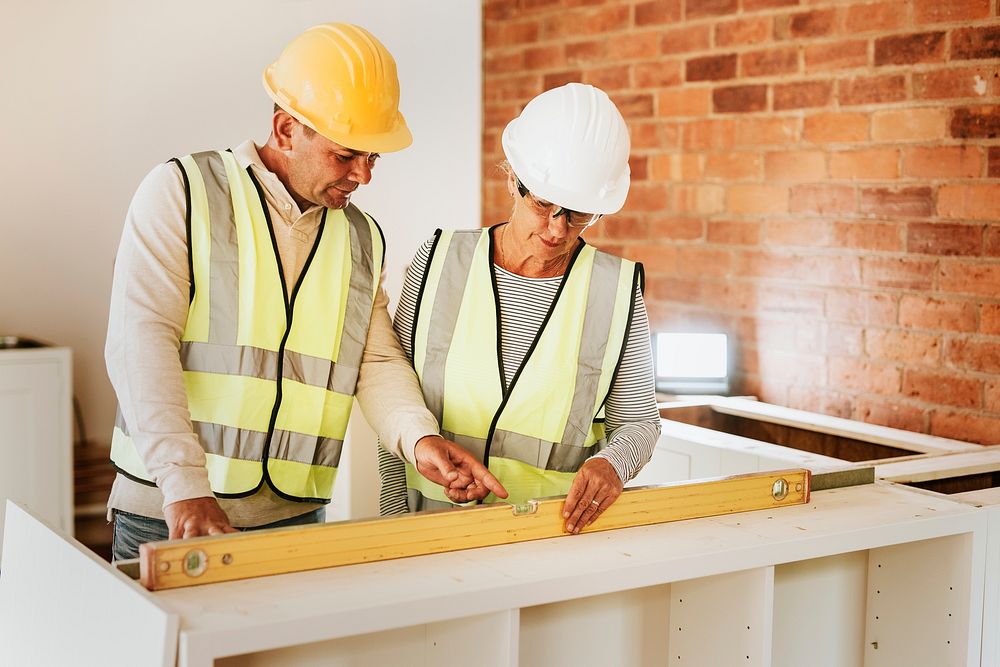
x=595 y=488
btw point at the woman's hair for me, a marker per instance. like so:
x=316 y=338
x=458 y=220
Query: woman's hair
x=504 y=168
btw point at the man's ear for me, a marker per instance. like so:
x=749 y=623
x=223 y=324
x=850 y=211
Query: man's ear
x=283 y=128
x=511 y=186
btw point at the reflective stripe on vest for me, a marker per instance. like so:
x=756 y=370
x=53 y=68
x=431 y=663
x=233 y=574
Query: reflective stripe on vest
x=270 y=373
x=535 y=434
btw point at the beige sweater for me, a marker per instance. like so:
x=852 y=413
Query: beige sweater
x=149 y=305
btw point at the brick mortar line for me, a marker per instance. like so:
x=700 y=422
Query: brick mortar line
x=539 y=15
x=746 y=281
x=891 y=399
x=824 y=76
x=836 y=104
x=875 y=70
x=860 y=253
x=770 y=281
x=851 y=216
x=750 y=47
x=706 y=179
x=786 y=114
x=577 y=38
x=865 y=289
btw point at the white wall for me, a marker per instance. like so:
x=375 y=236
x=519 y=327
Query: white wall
x=95 y=93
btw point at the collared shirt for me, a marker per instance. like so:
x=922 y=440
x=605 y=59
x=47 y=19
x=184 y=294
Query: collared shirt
x=149 y=306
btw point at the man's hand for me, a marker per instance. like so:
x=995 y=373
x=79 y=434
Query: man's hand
x=595 y=488
x=195 y=517
x=462 y=475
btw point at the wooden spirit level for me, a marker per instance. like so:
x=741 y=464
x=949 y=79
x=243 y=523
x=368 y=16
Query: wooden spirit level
x=206 y=560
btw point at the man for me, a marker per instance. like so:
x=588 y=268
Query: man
x=247 y=311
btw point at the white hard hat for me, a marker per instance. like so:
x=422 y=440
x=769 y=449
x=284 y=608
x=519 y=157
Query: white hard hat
x=570 y=147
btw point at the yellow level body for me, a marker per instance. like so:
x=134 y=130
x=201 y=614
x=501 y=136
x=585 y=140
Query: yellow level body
x=206 y=560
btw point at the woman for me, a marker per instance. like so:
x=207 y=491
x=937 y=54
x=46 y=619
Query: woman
x=531 y=346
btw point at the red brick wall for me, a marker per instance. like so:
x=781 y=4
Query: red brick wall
x=819 y=178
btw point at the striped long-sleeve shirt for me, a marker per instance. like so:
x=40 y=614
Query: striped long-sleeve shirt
x=631 y=419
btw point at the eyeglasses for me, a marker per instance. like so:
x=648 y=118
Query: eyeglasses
x=368 y=158
x=574 y=219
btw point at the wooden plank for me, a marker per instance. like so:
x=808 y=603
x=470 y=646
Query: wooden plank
x=204 y=560
x=695 y=441
x=980 y=497
x=984 y=460
x=874 y=433
x=62 y=605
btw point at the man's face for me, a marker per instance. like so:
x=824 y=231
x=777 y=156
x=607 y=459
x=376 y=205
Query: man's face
x=323 y=172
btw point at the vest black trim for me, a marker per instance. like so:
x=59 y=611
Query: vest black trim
x=637 y=275
x=420 y=292
x=496 y=308
x=527 y=357
x=187 y=226
x=289 y=309
x=381 y=234
x=132 y=477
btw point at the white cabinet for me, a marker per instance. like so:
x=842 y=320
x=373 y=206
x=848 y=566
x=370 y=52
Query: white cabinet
x=859 y=577
x=36 y=432
x=864 y=576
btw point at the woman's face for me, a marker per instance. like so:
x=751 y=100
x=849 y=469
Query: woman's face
x=548 y=236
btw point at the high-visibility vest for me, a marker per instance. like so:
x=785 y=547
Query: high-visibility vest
x=270 y=369
x=536 y=433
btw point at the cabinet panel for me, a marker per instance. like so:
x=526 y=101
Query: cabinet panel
x=484 y=640
x=723 y=620
x=35 y=433
x=62 y=605
x=626 y=628
x=920 y=598
x=819 y=611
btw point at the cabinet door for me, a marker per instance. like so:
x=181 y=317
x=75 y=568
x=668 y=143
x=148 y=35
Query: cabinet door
x=35 y=435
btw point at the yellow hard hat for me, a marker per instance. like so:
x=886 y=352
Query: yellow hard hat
x=338 y=79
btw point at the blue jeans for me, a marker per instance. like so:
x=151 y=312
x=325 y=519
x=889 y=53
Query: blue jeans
x=131 y=530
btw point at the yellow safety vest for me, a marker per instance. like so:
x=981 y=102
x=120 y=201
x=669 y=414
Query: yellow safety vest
x=536 y=433
x=270 y=369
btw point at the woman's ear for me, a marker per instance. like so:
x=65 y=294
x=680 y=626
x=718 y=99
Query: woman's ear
x=511 y=187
